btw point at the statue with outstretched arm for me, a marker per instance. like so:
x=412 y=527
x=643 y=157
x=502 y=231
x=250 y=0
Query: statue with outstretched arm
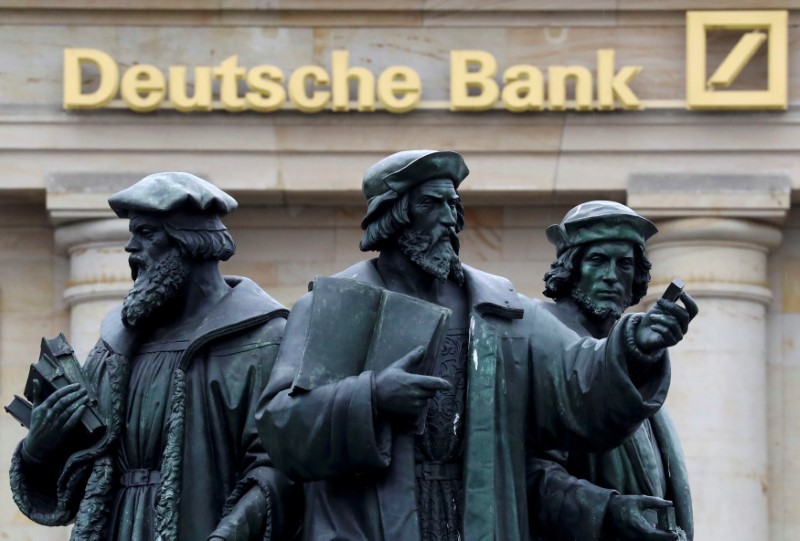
x=601 y=269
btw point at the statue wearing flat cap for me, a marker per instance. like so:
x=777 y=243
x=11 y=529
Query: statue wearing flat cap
x=601 y=270
x=177 y=372
x=505 y=378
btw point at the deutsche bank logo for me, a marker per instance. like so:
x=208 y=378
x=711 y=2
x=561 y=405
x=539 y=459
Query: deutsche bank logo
x=762 y=29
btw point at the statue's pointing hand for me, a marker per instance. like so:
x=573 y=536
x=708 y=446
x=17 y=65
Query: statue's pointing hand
x=52 y=419
x=665 y=323
x=402 y=394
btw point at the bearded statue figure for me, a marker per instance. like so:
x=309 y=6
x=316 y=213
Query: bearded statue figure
x=601 y=269
x=177 y=371
x=488 y=398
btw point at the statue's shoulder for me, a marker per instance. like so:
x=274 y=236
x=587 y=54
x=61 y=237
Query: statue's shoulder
x=492 y=294
x=364 y=271
x=114 y=335
x=246 y=293
x=250 y=301
x=486 y=280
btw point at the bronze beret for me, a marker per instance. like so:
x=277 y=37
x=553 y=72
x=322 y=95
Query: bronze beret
x=600 y=220
x=394 y=175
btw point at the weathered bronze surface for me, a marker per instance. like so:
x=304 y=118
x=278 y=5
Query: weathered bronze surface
x=418 y=398
x=509 y=379
x=601 y=270
x=177 y=373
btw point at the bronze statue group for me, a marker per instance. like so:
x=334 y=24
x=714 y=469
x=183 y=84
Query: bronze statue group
x=410 y=397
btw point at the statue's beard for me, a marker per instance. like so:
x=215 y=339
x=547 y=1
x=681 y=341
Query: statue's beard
x=437 y=256
x=597 y=311
x=154 y=290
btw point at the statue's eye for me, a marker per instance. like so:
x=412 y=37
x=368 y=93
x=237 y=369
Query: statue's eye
x=145 y=231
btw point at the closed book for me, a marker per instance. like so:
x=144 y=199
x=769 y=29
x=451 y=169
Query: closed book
x=57 y=367
x=20 y=409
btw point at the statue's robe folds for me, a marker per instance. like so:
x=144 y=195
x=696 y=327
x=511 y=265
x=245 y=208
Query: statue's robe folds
x=572 y=490
x=529 y=382
x=213 y=463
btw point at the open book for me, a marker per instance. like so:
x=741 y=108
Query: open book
x=356 y=327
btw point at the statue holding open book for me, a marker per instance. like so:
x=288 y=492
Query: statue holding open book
x=411 y=389
x=155 y=437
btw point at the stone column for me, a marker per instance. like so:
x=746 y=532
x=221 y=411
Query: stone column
x=99 y=275
x=714 y=234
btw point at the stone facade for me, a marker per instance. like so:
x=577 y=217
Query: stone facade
x=721 y=187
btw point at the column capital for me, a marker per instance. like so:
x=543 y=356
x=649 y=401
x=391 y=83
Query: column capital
x=764 y=197
x=98 y=266
x=718 y=231
x=714 y=231
x=723 y=258
x=96 y=232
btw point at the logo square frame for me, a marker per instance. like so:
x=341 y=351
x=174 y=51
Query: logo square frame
x=699 y=96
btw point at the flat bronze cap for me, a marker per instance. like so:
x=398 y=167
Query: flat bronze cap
x=172 y=192
x=394 y=175
x=600 y=220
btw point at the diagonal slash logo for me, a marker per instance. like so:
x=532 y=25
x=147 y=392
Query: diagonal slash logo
x=762 y=28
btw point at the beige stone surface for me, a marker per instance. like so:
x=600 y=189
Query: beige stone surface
x=536 y=157
x=29 y=309
x=790 y=271
x=406 y=5
x=34 y=52
x=736 y=378
x=718 y=402
x=33 y=55
x=363 y=13
x=784 y=386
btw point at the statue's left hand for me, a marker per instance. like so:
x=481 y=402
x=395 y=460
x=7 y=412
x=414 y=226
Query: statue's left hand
x=665 y=323
x=247 y=519
x=52 y=420
x=625 y=518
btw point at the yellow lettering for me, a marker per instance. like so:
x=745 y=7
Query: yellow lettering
x=524 y=88
x=462 y=80
x=268 y=94
x=399 y=89
x=557 y=87
x=201 y=98
x=297 y=89
x=74 y=98
x=342 y=74
x=143 y=88
x=229 y=74
x=611 y=85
